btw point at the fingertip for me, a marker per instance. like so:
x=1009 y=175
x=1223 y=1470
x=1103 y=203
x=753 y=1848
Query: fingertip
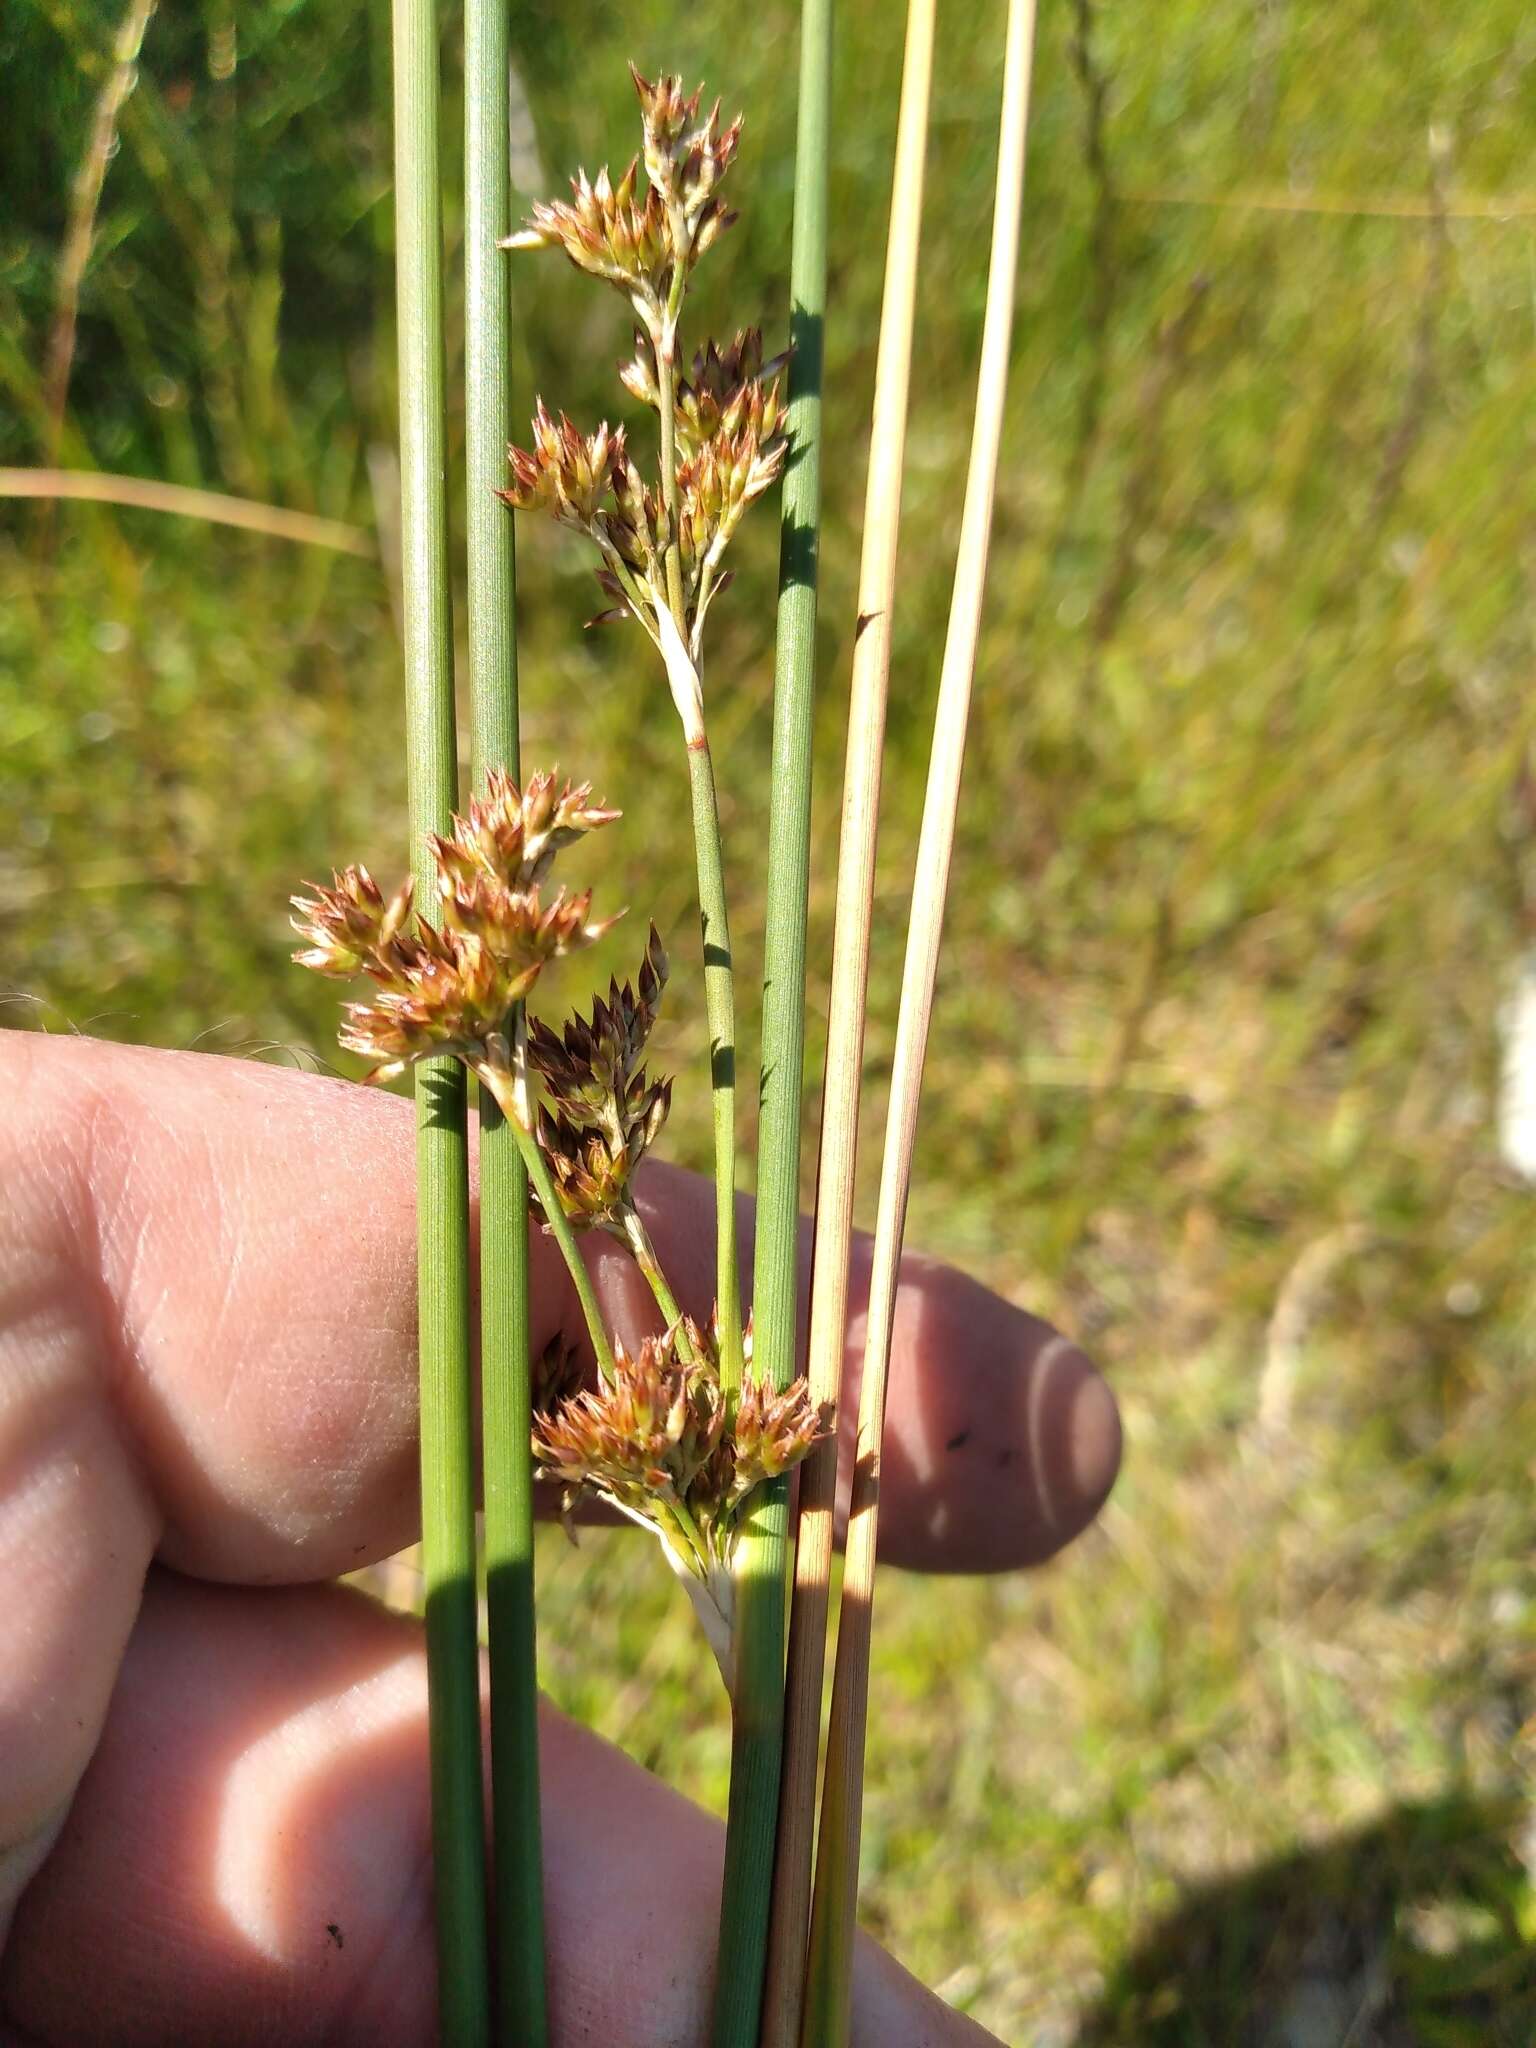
x=1003 y=1439
x=1097 y=1443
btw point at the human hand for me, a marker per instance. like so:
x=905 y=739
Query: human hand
x=214 y=1816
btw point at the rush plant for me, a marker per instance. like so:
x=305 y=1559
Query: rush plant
x=691 y=1431
x=679 y=1434
x=660 y=1436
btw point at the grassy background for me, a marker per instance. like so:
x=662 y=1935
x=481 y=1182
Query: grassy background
x=1244 y=875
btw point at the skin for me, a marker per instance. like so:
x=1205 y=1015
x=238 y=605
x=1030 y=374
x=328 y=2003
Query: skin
x=213 y=1796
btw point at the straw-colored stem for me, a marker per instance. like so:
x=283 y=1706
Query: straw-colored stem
x=217 y=508
x=442 y=1161
x=762 y=1546
x=80 y=233
x=666 y=385
x=522 y=2007
x=829 y=1987
x=845 y=1041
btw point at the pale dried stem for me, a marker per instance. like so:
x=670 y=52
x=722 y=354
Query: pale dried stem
x=666 y=384
x=216 y=508
x=85 y=198
x=845 y=1038
x=829 y=1991
x=719 y=983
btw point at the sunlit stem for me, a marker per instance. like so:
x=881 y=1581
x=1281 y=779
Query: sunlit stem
x=666 y=382
x=638 y=1238
x=442 y=1148
x=504 y=1073
x=719 y=981
x=720 y=1007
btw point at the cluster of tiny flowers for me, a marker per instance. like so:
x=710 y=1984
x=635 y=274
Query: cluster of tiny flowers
x=646 y=246
x=448 y=988
x=603 y=1112
x=659 y=1437
x=662 y=1442
x=727 y=415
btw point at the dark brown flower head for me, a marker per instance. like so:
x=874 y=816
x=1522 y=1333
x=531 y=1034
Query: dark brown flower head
x=347 y=923
x=608 y=233
x=605 y=1110
x=556 y=1375
x=591 y=1176
x=596 y=1061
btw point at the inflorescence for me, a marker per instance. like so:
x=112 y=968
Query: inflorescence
x=658 y=1436
x=661 y=544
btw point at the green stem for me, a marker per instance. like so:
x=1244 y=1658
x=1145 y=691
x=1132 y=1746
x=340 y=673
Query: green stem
x=442 y=1151
x=522 y=2004
x=720 y=1007
x=565 y=1237
x=509 y=1087
x=638 y=1238
x=693 y=1536
x=763 y=1546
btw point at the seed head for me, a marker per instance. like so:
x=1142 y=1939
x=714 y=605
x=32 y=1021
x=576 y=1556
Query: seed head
x=773 y=1431
x=715 y=487
x=512 y=836
x=566 y=473
x=448 y=988
x=685 y=159
x=662 y=1441
x=609 y=234
x=643 y=1438
x=729 y=389
x=347 y=923
x=605 y=1112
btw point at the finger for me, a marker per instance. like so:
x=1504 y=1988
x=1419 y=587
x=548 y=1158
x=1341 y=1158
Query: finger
x=248 y=1858
x=1001 y=1441
x=229 y=1249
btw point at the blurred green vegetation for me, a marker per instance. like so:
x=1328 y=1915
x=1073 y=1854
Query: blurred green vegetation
x=1240 y=887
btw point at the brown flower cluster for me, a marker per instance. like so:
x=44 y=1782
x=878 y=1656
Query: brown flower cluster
x=722 y=425
x=646 y=245
x=449 y=988
x=603 y=1111
x=575 y=477
x=607 y=233
x=665 y=1444
x=731 y=439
